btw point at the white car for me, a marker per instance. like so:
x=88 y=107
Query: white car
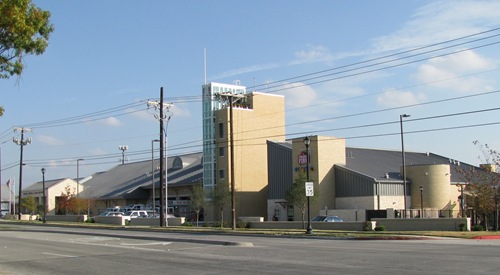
x=135 y=214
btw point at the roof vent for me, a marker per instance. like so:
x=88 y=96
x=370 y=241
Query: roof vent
x=386 y=175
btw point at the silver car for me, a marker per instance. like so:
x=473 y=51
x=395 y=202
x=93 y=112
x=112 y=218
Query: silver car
x=327 y=219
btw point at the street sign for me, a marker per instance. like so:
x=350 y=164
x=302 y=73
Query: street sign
x=309 y=189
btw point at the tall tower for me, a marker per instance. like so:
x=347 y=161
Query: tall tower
x=210 y=105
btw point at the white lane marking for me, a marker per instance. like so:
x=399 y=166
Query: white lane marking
x=59 y=255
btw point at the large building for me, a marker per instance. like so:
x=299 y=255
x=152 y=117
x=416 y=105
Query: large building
x=211 y=103
x=256 y=118
x=365 y=181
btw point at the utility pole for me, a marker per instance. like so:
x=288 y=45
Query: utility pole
x=229 y=98
x=163 y=177
x=21 y=142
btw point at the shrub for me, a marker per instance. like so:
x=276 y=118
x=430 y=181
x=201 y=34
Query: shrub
x=241 y=224
x=477 y=227
x=367 y=226
x=380 y=228
x=461 y=227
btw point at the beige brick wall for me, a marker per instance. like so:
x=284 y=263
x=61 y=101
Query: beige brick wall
x=264 y=120
x=324 y=152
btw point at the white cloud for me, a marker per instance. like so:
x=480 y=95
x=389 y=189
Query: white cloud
x=181 y=110
x=98 y=152
x=448 y=72
x=297 y=95
x=48 y=140
x=392 y=98
x=442 y=20
x=244 y=70
x=313 y=54
x=111 y=121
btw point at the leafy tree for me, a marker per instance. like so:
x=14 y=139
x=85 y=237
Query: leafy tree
x=24 y=30
x=482 y=184
x=221 y=198
x=79 y=204
x=296 y=195
x=29 y=203
x=67 y=201
x=197 y=200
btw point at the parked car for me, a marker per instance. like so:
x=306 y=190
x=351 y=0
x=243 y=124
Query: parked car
x=327 y=219
x=135 y=214
x=114 y=209
x=108 y=214
x=111 y=213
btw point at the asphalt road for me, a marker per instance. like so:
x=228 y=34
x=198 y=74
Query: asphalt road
x=59 y=250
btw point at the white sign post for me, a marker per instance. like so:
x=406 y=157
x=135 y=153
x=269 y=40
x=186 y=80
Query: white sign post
x=309 y=189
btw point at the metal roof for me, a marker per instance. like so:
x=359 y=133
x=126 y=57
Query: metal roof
x=130 y=180
x=385 y=165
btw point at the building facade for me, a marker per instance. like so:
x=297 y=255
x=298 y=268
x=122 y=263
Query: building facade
x=256 y=118
x=211 y=102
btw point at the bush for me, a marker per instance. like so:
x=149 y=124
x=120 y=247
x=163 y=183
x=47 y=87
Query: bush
x=241 y=224
x=461 y=227
x=380 y=228
x=477 y=227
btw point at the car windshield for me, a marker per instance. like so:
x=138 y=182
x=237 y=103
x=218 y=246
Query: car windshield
x=318 y=218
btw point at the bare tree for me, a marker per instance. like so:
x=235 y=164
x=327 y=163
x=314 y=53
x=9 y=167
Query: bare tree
x=482 y=184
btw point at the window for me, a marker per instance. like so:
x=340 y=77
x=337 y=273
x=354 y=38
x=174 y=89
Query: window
x=221 y=130
x=221 y=151
x=222 y=174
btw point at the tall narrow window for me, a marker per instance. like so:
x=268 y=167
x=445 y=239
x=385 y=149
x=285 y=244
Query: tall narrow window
x=221 y=130
x=222 y=174
x=221 y=151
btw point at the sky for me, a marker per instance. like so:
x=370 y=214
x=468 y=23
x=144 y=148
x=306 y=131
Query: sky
x=347 y=69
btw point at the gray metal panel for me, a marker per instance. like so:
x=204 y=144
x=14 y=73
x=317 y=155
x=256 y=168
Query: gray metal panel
x=280 y=168
x=350 y=184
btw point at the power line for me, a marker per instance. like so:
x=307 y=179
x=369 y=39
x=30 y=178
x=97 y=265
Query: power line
x=378 y=58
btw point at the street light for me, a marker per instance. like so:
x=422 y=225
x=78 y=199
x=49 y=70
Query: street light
x=78 y=176
x=307 y=142
x=404 y=161
x=153 y=172
x=421 y=201
x=44 y=197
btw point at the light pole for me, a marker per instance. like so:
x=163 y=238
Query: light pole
x=153 y=172
x=78 y=177
x=123 y=148
x=44 y=197
x=307 y=142
x=404 y=161
x=421 y=201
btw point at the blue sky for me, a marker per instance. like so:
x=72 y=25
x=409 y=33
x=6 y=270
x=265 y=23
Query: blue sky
x=86 y=95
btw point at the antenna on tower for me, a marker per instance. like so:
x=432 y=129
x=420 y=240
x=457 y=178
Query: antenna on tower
x=205 y=64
